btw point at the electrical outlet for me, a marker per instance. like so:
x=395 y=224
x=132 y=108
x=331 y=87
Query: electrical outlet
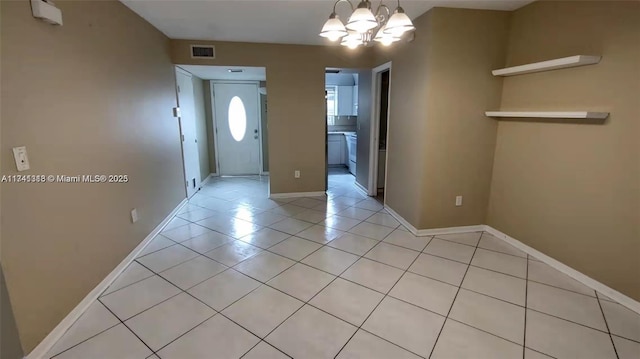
x=458 y=201
x=296 y=173
x=20 y=155
x=134 y=215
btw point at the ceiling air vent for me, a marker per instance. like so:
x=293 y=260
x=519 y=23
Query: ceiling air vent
x=203 y=52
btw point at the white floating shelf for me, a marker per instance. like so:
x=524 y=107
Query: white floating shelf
x=571 y=61
x=538 y=114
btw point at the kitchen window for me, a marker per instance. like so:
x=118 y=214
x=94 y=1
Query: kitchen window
x=332 y=103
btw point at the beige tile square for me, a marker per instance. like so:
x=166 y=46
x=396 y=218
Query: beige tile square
x=265 y=238
x=562 y=339
x=167 y=258
x=264 y=351
x=133 y=274
x=301 y=281
x=207 y=242
x=185 y=232
x=225 y=288
x=156 y=244
x=117 y=342
x=374 y=275
x=264 y=266
x=295 y=248
x=233 y=253
x=291 y=226
x=495 y=285
x=217 y=335
x=622 y=321
x=311 y=333
x=383 y=219
x=561 y=303
x=371 y=230
x=364 y=345
x=470 y=238
x=192 y=272
x=488 y=241
x=340 y=222
x=320 y=234
x=500 y=262
x=450 y=250
x=492 y=315
x=461 y=341
x=438 y=268
x=543 y=273
x=168 y=320
x=626 y=349
x=330 y=260
x=347 y=300
x=392 y=255
x=262 y=310
x=140 y=296
x=405 y=325
x=424 y=292
x=353 y=243
x=405 y=239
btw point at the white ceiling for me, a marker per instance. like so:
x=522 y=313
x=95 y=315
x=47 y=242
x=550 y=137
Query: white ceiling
x=222 y=72
x=285 y=22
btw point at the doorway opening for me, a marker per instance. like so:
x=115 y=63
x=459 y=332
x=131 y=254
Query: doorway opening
x=379 y=131
x=341 y=93
x=230 y=128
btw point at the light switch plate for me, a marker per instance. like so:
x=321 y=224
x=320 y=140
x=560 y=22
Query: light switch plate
x=458 y=201
x=20 y=155
x=134 y=215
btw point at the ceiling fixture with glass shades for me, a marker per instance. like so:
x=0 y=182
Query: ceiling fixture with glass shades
x=365 y=26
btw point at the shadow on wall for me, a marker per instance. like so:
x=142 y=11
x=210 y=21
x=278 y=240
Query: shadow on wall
x=10 y=347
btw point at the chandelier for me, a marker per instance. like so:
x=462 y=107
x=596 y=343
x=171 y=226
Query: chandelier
x=365 y=26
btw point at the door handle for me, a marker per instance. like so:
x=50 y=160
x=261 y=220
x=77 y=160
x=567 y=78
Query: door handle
x=255 y=131
x=255 y=137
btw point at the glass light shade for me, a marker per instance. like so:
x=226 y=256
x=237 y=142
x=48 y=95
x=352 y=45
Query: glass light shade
x=384 y=38
x=399 y=23
x=362 y=20
x=352 y=40
x=333 y=29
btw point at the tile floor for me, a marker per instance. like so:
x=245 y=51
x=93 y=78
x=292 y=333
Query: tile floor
x=238 y=275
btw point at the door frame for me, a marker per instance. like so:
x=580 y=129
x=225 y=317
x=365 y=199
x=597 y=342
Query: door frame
x=376 y=91
x=181 y=134
x=215 y=121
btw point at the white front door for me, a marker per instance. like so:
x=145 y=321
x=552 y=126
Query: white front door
x=238 y=128
x=190 y=155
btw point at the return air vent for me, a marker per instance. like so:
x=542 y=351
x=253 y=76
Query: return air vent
x=203 y=52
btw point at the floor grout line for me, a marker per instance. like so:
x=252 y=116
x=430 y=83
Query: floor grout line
x=233 y=239
x=454 y=299
x=606 y=323
x=526 y=296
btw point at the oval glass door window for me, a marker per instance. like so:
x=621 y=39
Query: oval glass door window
x=237 y=119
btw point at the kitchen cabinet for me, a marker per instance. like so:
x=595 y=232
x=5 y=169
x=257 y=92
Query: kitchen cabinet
x=336 y=149
x=347 y=100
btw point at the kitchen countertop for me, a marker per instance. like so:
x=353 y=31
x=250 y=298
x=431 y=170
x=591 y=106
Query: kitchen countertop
x=346 y=133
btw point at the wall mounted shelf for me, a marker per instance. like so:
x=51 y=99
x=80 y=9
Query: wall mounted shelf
x=571 y=61
x=539 y=114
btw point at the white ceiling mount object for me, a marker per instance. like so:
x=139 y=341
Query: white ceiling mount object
x=561 y=63
x=262 y=21
x=46 y=11
x=549 y=114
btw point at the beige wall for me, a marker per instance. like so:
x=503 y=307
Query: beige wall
x=91 y=97
x=295 y=82
x=10 y=347
x=440 y=143
x=201 y=126
x=572 y=190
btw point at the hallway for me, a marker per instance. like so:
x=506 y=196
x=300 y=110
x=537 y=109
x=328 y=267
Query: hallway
x=235 y=275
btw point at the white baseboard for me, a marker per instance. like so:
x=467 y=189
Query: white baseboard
x=361 y=188
x=297 y=194
x=432 y=231
x=206 y=180
x=450 y=230
x=580 y=277
x=50 y=340
x=402 y=221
